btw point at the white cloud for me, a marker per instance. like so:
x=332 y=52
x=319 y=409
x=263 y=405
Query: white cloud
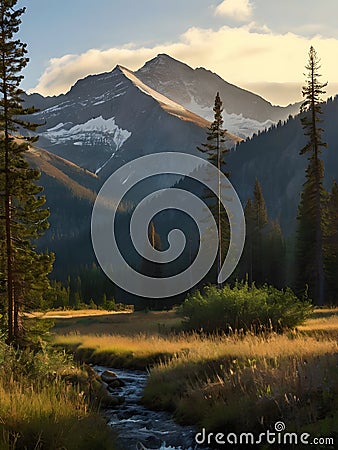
x=239 y=10
x=239 y=55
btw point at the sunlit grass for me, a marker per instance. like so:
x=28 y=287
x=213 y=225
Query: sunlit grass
x=196 y=347
x=41 y=409
x=72 y=313
x=323 y=323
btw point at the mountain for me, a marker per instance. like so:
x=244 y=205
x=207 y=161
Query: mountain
x=244 y=112
x=38 y=101
x=108 y=119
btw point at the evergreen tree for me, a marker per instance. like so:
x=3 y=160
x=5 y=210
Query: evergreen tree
x=150 y=268
x=215 y=150
x=246 y=263
x=275 y=256
x=24 y=272
x=309 y=261
x=260 y=222
x=253 y=262
x=331 y=245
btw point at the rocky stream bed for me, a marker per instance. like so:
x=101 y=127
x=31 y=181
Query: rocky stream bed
x=140 y=428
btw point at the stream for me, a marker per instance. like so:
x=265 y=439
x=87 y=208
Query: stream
x=140 y=428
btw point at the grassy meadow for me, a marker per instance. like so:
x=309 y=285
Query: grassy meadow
x=227 y=382
x=45 y=403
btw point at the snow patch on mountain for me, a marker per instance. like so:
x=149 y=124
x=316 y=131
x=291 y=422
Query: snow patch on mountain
x=243 y=127
x=90 y=133
x=106 y=97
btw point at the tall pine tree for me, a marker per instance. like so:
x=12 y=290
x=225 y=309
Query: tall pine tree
x=310 y=260
x=215 y=150
x=331 y=245
x=263 y=259
x=23 y=271
x=256 y=218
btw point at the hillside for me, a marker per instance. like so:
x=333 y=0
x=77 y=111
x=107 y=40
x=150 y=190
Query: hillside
x=70 y=194
x=273 y=158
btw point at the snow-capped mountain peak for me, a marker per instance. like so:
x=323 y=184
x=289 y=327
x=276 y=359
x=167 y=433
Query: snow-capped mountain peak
x=168 y=105
x=244 y=113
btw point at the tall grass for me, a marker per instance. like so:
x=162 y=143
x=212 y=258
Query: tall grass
x=145 y=349
x=41 y=409
x=247 y=384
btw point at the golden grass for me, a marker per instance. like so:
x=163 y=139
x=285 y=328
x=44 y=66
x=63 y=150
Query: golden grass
x=40 y=408
x=197 y=348
x=322 y=323
x=72 y=313
x=140 y=335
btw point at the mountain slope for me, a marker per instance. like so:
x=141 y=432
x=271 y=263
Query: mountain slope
x=70 y=194
x=195 y=89
x=273 y=157
x=77 y=180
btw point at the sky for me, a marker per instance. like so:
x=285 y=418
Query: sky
x=260 y=45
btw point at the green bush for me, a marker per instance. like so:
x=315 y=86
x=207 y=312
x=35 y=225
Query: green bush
x=244 y=308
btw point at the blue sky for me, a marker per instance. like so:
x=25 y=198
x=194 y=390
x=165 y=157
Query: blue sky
x=261 y=45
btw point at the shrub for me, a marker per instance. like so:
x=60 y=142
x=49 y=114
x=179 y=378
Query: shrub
x=244 y=308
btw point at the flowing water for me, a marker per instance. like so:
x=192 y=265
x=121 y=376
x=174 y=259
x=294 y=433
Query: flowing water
x=141 y=428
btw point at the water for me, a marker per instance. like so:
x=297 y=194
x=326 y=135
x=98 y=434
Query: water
x=141 y=428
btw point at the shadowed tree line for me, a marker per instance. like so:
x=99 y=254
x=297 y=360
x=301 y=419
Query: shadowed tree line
x=308 y=261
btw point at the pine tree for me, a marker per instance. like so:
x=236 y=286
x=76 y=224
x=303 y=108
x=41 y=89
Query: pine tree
x=246 y=263
x=260 y=211
x=260 y=222
x=310 y=262
x=149 y=268
x=215 y=150
x=331 y=244
x=275 y=255
x=23 y=220
x=254 y=258
x=263 y=259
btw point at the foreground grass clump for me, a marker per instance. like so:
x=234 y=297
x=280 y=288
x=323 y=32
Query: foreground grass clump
x=244 y=308
x=248 y=383
x=41 y=405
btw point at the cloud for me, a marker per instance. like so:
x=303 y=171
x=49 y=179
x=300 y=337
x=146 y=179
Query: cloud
x=239 y=10
x=240 y=55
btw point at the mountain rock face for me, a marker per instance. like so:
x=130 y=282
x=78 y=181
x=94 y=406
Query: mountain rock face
x=244 y=112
